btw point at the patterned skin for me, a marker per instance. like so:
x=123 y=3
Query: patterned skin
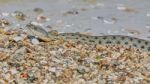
x=104 y=40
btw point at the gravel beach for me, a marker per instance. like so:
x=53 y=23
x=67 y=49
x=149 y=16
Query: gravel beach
x=26 y=59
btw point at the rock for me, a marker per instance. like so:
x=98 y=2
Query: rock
x=3 y=56
x=42 y=18
x=5 y=14
x=19 y=54
x=53 y=69
x=19 y=15
x=4 y=22
x=18 y=38
x=35 y=41
x=38 y=10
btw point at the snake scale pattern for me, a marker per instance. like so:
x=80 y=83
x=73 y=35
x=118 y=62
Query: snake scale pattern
x=104 y=40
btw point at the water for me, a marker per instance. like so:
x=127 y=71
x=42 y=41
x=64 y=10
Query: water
x=112 y=19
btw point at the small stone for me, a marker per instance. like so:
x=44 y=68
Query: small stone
x=121 y=8
x=19 y=15
x=108 y=21
x=82 y=70
x=72 y=12
x=42 y=18
x=5 y=14
x=81 y=81
x=35 y=41
x=18 y=38
x=43 y=62
x=36 y=23
x=3 y=56
x=56 y=60
x=13 y=71
x=148 y=14
x=4 y=22
x=147 y=26
x=38 y=10
x=19 y=54
x=52 y=69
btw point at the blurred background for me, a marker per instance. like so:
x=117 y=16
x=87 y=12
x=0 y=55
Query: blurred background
x=94 y=17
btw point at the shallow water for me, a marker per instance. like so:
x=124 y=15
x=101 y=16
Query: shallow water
x=94 y=16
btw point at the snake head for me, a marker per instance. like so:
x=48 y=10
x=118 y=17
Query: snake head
x=53 y=33
x=35 y=30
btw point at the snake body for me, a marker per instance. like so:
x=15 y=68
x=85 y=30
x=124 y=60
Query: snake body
x=104 y=40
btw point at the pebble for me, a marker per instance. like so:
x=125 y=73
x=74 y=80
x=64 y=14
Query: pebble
x=82 y=69
x=108 y=21
x=13 y=71
x=148 y=14
x=38 y=10
x=5 y=14
x=72 y=12
x=81 y=81
x=19 y=15
x=43 y=62
x=42 y=18
x=148 y=26
x=68 y=25
x=37 y=23
x=19 y=54
x=56 y=60
x=52 y=69
x=105 y=20
x=121 y=7
x=18 y=38
x=35 y=41
x=3 y=56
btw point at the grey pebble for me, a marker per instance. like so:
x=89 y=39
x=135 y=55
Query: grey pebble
x=35 y=41
x=18 y=38
x=19 y=54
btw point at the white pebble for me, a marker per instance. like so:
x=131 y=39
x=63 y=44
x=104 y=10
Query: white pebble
x=45 y=81
x=148 y=14
x=108 y=22
x=13 y=71
x=121 y=7
x=5 y=14
x=43 y=62
x=148 y=27
x=35 y=41
x=18 y=25
x=56 y=60
x=52 y=69
x=13 y=14
x=58 y=73
x=53 y=52
x=18 y=38
x=48 y=19
x=81 y=81
x=7 y=76
x=68 y=25
x=36 y=23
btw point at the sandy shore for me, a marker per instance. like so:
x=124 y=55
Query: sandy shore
x=25 y=59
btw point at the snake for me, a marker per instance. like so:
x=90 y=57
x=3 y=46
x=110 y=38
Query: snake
x=127 y=41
